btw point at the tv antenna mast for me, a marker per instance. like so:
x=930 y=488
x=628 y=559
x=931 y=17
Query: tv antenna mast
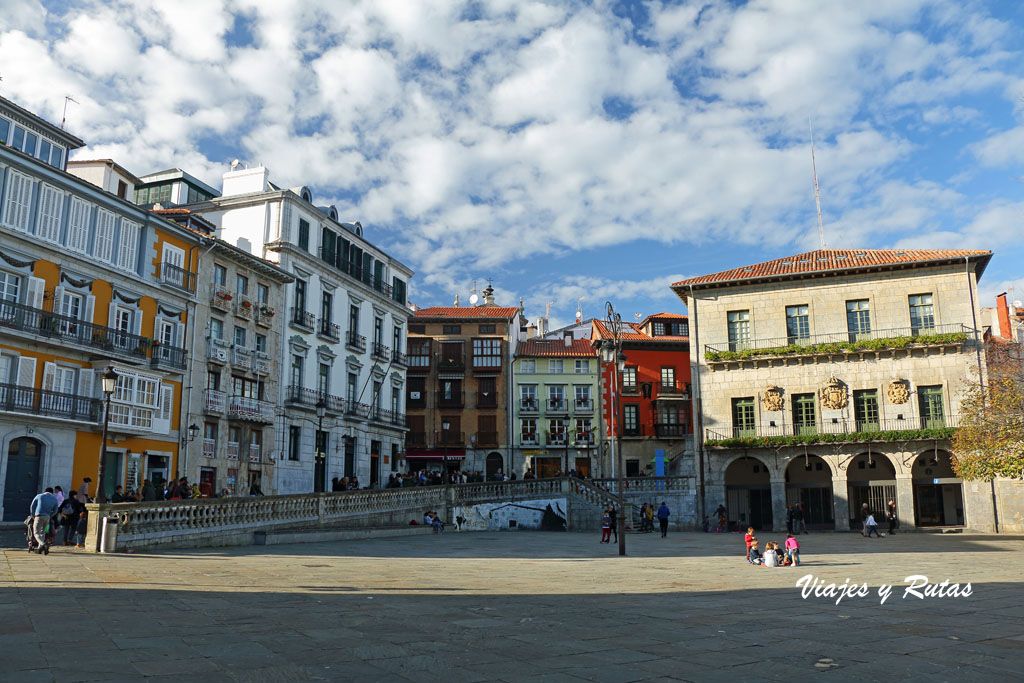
x=67 y=98
x=817 y=198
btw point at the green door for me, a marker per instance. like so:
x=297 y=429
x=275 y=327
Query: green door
x=743 y=424
x=804 y=418
x=865 y=410
x=930 y=403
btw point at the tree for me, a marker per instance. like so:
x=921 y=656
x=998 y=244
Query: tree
x=990 y=440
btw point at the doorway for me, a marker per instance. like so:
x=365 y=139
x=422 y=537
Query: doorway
x=374 y=464
x=546 y=468
x=938 y=492
x=112 y=472
x=583 y=467
x=207 y=481
x=872 y=481
x=748 y=491
x=495 y=463
x=22 y=483
x=809 y=483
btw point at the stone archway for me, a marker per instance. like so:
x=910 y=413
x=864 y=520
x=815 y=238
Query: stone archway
x=809 y=484
x=494 y=464
x=938 y=492
x=871 y=481
x=748 y=494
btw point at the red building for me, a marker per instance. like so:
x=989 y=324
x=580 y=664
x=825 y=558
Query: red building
x=654 y=411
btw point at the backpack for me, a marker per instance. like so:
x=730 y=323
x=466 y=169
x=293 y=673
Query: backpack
x=67 y=509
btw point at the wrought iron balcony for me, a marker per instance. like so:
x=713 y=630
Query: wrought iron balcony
x=355 y=341
x=304 y=320
x=15 y=316
x=448 y=438
x=528 y=439
x=214 y=401
x=555 y=439
x=31 y=401
x=165 y=356
x=455 y=399
x=329 y=330
x=584 y=405
x=673 y=430
x=557 y=405
x=487 y=438
x=380 y=352
x=209 y=448
x=311 y=397
x=250 y=409
x=416 y=439
x=528 y=405
x=176 y=276
x=453 y=363
x=486 y=399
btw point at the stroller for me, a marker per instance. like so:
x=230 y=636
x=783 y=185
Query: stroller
x=50 y=537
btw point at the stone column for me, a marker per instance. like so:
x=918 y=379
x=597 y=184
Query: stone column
x=904 y=503
x=841 y=502
x=779 y=505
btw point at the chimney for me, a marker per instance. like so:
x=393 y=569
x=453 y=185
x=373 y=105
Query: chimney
x=1004 y=317
x=531 y=331
x=568 y=339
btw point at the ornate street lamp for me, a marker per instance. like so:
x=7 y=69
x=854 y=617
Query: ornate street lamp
x=109 y=382
x=611 y=354
x=320 y=466
x=445 y=426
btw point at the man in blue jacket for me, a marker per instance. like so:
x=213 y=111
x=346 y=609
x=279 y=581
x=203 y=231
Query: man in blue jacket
x=663 y=514
x=42 y=508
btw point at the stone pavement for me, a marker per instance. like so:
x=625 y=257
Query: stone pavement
x=526 y=606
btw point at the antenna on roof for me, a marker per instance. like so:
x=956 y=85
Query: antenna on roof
x=579 y=309
x=67 y=98
x=817 y=198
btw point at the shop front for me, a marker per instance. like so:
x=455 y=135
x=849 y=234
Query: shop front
x=445 y=460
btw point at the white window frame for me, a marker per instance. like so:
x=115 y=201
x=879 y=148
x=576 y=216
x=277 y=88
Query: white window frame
x=51 y=210
x=556 y=367
x=528 y=366
x=18 y=201
x=78 y=226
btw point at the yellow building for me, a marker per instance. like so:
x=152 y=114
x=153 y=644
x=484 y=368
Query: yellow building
x=88 y=281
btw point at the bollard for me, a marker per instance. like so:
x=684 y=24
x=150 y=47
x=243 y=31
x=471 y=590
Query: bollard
x=108 y=534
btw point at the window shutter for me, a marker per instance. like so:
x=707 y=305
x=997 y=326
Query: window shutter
x=179 y=335
x=58 y=300
x=26 y=371
x=104 y=249
x=286 y=222
x=137 y=322
x=49 y=376
x=14 y=183
x=26 y=202
x=111 y=314
x=128 y=245
x=162 y=414
x=77 y=229
x=90 y=306
x=85 y=378
x=34 y=296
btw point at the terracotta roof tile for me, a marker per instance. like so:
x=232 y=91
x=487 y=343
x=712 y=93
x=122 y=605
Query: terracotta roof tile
x=632 y=332
x=466 y=312
x=580 y=348
x=836 y=261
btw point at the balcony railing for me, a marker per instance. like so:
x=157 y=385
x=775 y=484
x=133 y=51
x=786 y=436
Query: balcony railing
x=168 y=356
x=214 y=401
x=381 y=286
x=528 y=439
x=636 y=430
x=486 y=400
x=353 y=409
x=487 y=438
x=209 y=448
x=329 y=330
x=556 y=405
x=220 y=298
x=15 y=316
x=31 y=401
x=264 y=315
x=451 y=363
x=451 y=438
x=241 y=358
x=176 y=276
x=302 y=319
x=454 y=400
x=255 y=451
x=584 y=439
x=399 y=358
x=243 y=306
x=310 y=397
x=416 y=439
x=837 y=426
x=232 y=450
x=671 y=389
x=555 y=438
x=669 y=429
x=584 y=405
x=251 y=409
x=839 y=342
x=355 y=341
x=528 y=405
x=380 y=352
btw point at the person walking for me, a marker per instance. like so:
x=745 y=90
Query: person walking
x=614 y=514
x=798 y=519
x=663 y=514
x=42 y=508
x=606 y=528
x=891 y=516
x=871 y=526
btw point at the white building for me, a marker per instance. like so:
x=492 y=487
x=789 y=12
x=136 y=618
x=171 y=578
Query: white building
x=344 y=324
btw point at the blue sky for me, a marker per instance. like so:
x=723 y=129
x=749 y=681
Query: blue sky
x=594 y=149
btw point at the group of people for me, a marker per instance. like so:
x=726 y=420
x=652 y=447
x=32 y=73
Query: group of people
x=430 y=518
x=772 y=555
x=870 y=524
x=648 y=513
x=52 y=509
x=796 y=518
x=347 y=484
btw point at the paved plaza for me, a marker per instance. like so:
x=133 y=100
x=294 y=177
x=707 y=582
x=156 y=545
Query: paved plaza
x=526 y=606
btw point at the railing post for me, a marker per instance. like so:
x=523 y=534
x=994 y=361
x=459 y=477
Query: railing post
x=321 y=508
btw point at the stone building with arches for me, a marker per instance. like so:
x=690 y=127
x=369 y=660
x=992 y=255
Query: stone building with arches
x=832 y=379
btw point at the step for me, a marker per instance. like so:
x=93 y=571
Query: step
x=327 y=534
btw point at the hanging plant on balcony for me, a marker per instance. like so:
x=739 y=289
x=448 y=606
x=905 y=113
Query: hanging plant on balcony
x=246 y=304
x=266 y=310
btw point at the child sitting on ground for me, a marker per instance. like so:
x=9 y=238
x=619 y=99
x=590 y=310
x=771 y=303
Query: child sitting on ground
x=771 y=554
x=754 y=556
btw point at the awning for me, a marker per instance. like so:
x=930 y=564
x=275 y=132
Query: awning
x=435 y=454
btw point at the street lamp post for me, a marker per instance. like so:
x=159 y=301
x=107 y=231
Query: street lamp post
x=109 y=381
x=611 y=354
x=445 y=426
x=320 y=467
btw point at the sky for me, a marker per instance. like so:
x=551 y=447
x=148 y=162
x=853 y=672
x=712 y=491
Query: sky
x=599 y=149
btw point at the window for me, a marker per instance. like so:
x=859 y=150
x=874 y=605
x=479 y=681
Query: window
x=167 y=332
x=239 y=338
x=630 y=420
x=216 y=329
x=78 y=226
x=555 y=367
x=213 y=379
x=452 y=329
x=398 y=290
x=300 y=296
x=528 y=396
x=241 y=284
x=488 y=329
x=19 y=201
x=396 y=339
x=419 y=353
x=743 y=424
x=930 y=405
x=352 y=387
x=487 y=392
x=804 y=415
x=137 y=398
x=669 y=415
x=582 y=367
x=261 y=343
x=528 y=430
x=328 y=241
x=324 y=379
x=922 y=316
x=51 y=208
x=583 y=430
x=220 y=275
x=668 y=379
x=10 y=286
x=353 y=319
x=327 y=307
x=256 y=443
x=297 y=367
x=104 y=246
x=582 y=396
x=417 y=329
x=262 y=293
x=798 y=325
x=303 y=234
x=659 y=330
x=210 y=432
x=629 y=379
x=378 y=330
x=246 y=388
x=858 y=319
x=865 y=410
x=556 y=431
x=527 y=366
x=556 y=397
x=487 y=353
x=739 y=330
x=128 y=251
x=294 y=442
